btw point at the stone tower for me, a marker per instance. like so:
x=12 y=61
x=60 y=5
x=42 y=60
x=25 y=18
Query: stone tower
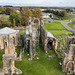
x=68 y=65
x=9 y=58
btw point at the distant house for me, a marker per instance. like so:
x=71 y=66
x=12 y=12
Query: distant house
x=46 y=17
x=8 y=34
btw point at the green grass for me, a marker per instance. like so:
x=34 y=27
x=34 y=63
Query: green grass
x=66 y=20
x=60 y=32
x=5 y=16
x=21 y=31
x=70 y=25
x=42 y=66
x=1 y=53
x=54 y=25
x=18 y=50
x=73 y=15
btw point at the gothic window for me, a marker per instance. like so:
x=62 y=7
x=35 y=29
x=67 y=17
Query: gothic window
x=14 y=40
x=5 y=45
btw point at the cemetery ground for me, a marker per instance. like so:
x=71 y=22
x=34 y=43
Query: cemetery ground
x=45 y=65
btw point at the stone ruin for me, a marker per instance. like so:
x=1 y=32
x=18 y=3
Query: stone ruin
x=5 y=33
x=9 y=58
x=48 y=40
x=30 y=39
x=34 y=33
x=68 y=65
x=70 y=40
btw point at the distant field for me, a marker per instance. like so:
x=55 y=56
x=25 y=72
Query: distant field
x=70 y=25
x=5 y=17
x=56 y=32
x=65 y=20
x=54 y=25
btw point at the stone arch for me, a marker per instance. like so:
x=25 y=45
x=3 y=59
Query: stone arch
x=37 y=19
x=50 y=44
x=70 y=67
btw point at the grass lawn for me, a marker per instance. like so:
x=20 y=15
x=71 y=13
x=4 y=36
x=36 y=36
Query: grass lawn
x=21 y=31
x=56 y=32
x=65 y=20
x=41 y=66
x=70 y=25
x=1 y=53
x=54 y=25
x=5 y=16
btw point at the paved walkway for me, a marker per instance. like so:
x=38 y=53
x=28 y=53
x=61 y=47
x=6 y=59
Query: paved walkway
x=65 y=24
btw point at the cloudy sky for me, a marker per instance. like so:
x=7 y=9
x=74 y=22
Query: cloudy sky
x=69 y=3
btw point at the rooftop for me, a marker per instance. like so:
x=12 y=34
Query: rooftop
x=50 y=35
x=7 y=31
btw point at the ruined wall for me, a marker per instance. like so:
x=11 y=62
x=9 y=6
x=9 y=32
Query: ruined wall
x=9 y=57
x=70 y=40
x=68 y=65
x=8 y=63
x=15 y=37
x=43 y=37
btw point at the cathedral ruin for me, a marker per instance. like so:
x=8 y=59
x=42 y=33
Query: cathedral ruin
x=29 y=41
x=36 y=33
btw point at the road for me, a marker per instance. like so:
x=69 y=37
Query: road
x=65 y=24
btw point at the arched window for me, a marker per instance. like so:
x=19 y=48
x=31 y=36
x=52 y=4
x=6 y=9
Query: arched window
x=36 y=21
x=5 y=45
x=14 y=40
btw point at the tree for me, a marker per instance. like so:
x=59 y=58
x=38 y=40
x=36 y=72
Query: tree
x=14 y=18
x=2 y=10
x=25 y=13
x=8 y=10
x=4 y=23
x=37 y=13
x=14 y=22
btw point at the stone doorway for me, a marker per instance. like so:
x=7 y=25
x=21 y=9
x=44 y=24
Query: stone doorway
x=70 y=67
x=50 y=45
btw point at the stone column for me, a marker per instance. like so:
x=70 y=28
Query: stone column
x=8 y=63
x=46 y=40
x=30 y=51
